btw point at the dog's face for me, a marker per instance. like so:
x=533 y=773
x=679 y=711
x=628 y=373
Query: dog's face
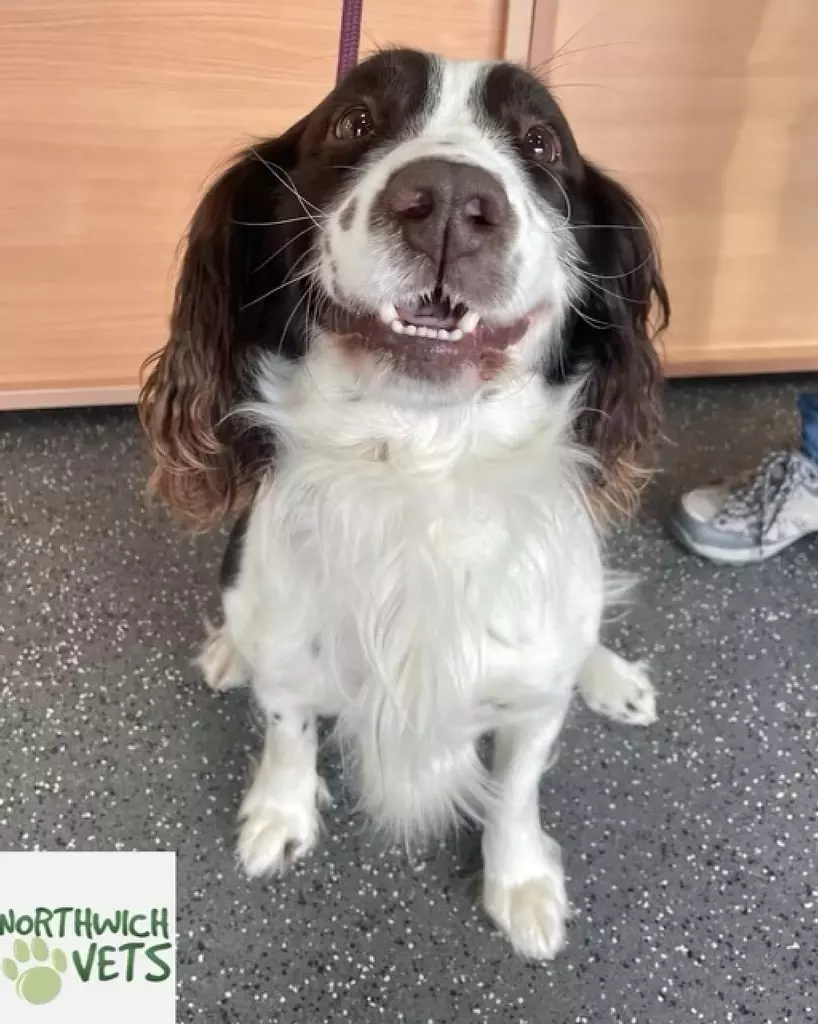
x=447 y=243
x=431 y=220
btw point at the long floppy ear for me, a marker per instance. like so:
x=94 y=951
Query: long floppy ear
x=205 y=463
x=611 y=337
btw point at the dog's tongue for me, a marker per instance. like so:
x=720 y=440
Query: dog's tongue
x=433 y=311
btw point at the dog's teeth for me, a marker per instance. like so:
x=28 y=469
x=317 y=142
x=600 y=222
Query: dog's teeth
x=468 y=322
x=388 y=314
x=443 y=335
x=397 y=326
x=409 y=329
x=423 y=332
x=455 y=335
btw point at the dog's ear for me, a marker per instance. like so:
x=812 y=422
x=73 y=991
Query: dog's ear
x=611 y=335
x=223 y=307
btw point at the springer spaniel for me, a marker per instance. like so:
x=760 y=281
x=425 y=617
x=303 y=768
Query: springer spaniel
x=411 y=346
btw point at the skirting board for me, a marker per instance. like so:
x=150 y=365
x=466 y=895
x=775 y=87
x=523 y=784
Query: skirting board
x=63 y=398
x=739 y=362
x=680 y=362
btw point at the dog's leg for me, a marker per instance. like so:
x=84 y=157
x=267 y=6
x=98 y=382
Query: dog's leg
x=523 y=886
x=618 y=689
x=279 y=820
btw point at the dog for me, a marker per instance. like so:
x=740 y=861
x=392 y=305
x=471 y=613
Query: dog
x=412 y=350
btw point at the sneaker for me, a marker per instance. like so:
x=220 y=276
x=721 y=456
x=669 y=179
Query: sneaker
x=754 y=517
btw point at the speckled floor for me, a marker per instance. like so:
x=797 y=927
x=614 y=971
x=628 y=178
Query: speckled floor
x=691 y=848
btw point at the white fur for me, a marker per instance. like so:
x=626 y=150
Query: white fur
x=279 y=815
x=422 y=566
x=444 y=561
x=425 y=574
x=618 y=689
x=523 y=887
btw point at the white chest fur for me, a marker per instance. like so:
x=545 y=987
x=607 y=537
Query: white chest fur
x=423 y=574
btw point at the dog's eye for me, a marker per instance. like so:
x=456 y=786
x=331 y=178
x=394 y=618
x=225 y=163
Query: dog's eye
x=356 y=123
x=541 y=143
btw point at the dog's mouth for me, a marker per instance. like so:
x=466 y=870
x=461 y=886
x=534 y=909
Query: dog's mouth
x=434 y=316
x=431 y=336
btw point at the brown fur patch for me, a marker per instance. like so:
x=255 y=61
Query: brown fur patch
x=491 y=363
x=616 y=492
x=195 y=473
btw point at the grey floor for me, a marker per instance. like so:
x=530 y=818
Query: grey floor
x=691 y=848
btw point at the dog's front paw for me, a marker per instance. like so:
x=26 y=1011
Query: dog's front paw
x=618 y=689
x=273 y=836
x=531 y=913
x=220 y=662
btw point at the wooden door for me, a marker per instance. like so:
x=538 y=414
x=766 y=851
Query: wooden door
x=112 y=115
x=709 y=110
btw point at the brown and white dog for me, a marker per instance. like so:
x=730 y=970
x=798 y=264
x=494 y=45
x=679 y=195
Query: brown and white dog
x=411 y=345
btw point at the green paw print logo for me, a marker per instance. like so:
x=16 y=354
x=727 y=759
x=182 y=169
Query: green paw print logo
x=37 y=976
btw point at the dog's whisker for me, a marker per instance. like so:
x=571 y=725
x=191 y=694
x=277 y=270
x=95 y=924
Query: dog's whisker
x=283 y=336
x=286 y=179
x=565 y=196
x=269 y=223
x=601 y=227
x=281 y=178
x=598 y=289
x=592 y=321
x=308 y=252
x=563 y=48
x=281 y=248
x=278 y=288
x=650 y=258
x=556 y=86
x=607 y=293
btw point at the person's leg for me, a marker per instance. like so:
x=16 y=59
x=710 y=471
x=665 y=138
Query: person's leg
x=763 y=512
x=808 y=408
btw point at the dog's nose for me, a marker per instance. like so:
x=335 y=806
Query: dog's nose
x=446 y=210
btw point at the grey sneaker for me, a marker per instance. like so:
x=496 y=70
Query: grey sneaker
x=754 y=517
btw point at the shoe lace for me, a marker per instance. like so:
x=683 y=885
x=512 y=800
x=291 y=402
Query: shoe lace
x=759 y=498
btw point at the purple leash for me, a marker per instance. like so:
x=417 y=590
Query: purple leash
x=350 y=36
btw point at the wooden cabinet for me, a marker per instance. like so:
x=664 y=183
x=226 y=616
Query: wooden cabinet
x=709 y=110
x=112 y=114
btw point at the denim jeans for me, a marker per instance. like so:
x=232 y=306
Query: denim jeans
x=808 y=408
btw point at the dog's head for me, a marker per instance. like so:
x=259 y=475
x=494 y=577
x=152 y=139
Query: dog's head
x=435 y=223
